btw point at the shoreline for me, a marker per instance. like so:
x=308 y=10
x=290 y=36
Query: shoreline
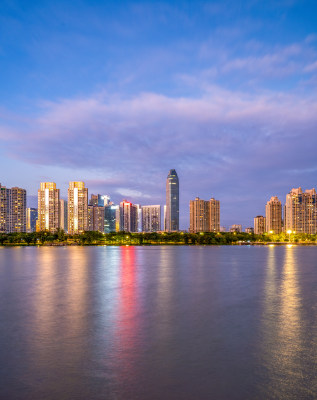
x=269 y=244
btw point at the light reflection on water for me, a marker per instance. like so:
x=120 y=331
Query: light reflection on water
x=158 y=322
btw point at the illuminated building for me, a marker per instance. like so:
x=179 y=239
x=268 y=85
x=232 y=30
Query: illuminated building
x=235 y=228
x=214 y=218
x=259 y=225
x=301 y=211
x=204 y=216
x=139 y=217
x=48 y=207
x=3 y=209
x=99 y=200
x=249 y=230
x=151 y=218
x=112 y=218
x=63 y=215
x=96 y=218
x=77 y=208
x=16 y=210
x=273 y=214
x=12 y=210
x=31 y=218
x=128 y=217
x=172 y=202
x=164 y=217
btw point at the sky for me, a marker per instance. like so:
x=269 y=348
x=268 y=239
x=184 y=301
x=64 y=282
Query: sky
x=117 y=93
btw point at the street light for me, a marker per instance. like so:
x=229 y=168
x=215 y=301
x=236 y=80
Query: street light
x=289 y=235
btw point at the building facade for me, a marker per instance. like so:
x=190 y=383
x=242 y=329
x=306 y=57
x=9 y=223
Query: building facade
x=3 y=209
x=31 y=218
x=300 y=212
x=172 y=202
x=151 y=218
x=12 y=209
x=48 y=207
x=96 y=218
x=273 y=215
x=204 y=216
x=128 y=217
x=112 y=218
x=77 y=208
x=16 y=213
x=63 y=211
x=259 y=225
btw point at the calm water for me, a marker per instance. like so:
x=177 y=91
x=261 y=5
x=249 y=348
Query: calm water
x=158 y=323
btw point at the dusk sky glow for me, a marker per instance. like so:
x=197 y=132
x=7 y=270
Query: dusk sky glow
x=117 y=93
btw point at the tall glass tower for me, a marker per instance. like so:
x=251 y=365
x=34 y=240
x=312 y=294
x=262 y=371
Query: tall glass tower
x=172 y=202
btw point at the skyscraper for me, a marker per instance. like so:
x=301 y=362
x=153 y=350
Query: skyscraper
x=151 y=218
x=16 y=212
x=273 y=214
x=77 y=208
x=112 y=218
x=63 y=215
x=301 y=211
x=31 y=218
x=48 y=207
x=204 y=216
x=259 y=225
x=3 y=209
x=214 y=215
x=128 y=217
x=172 y=202
x=198 y=215
x=96 y=218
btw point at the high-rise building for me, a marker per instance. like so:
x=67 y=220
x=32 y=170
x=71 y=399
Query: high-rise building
x=63 y=215
x=96 y=218
x=12 y=210
x=172 y=201
x=31 y=218
x=48 y=207
x=259 y=225
x=204 y=216
x=128 y=217
x=164 y=217
x=112 y=218
x=151 y=218
x=214 y=217
x=3 y=209
x=16 y=210
x=105 y=200
x=139 y=217
x=273 y=214
x=77 y=208
x=301 y=211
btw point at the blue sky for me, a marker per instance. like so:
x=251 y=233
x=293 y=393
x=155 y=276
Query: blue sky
x=117 y=93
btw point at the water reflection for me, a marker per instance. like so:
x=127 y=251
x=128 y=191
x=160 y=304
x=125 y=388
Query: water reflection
x=290 y=318
x=126 y=328
x=76 y=290
x=282 y=344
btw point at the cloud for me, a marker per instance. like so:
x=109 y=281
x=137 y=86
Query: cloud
x=126 y=192
x=222 y=143
x=311 y=67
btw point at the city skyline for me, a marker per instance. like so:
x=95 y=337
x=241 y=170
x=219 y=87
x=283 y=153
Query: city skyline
x=79 y=214
x=117 y=94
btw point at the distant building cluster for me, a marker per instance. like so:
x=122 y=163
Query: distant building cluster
x=79 y=213
x=299 y=214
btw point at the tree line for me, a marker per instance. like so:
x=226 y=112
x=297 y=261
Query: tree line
x=155 y=238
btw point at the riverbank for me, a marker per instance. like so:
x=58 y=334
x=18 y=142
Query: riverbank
x=60 y=238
